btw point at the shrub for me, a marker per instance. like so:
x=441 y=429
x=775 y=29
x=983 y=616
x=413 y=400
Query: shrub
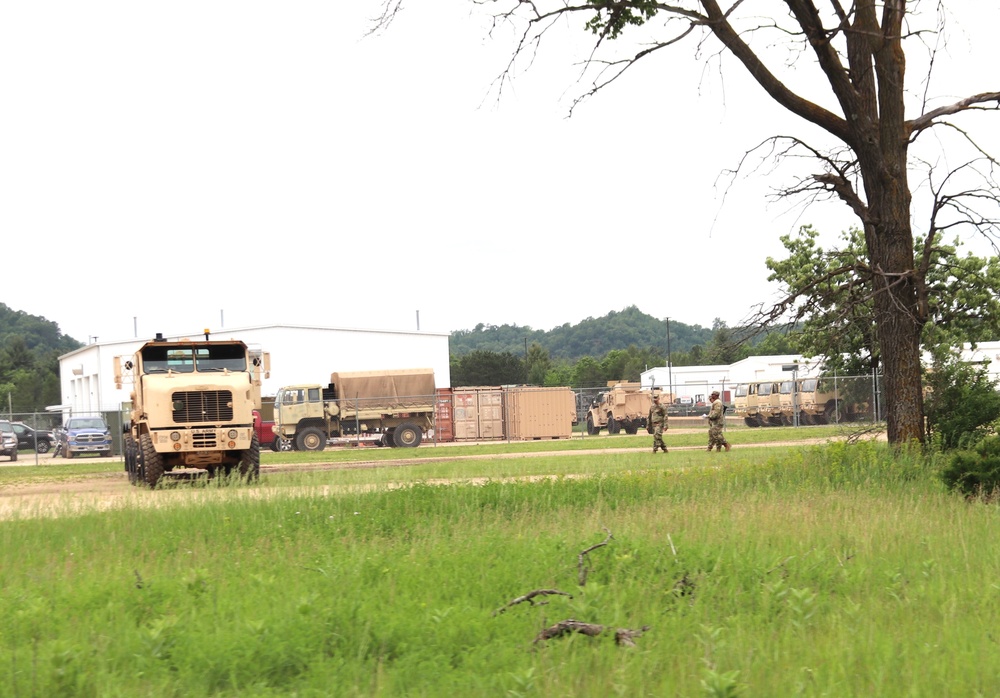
x=975 y=473
x=962 y=403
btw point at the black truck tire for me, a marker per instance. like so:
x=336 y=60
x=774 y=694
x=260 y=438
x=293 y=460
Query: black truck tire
x=407 y=435
x=151 y=466
x=250 y=461
x=310 y=439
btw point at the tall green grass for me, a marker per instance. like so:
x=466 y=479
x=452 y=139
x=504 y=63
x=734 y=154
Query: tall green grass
x=837 y=570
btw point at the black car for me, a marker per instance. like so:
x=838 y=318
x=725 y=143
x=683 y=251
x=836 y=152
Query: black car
x=26 y=438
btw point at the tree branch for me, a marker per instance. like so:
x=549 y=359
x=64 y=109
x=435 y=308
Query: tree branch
x=924 y=121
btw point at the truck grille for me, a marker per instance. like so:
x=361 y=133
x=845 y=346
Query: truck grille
x=90 y=438
x=203 y=406
x=203 y=439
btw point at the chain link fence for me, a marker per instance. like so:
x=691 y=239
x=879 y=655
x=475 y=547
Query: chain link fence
x=39 y=433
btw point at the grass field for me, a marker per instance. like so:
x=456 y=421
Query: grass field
x=838 y=570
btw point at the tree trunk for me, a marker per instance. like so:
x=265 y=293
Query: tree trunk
x=897 y=320
x=899 y=342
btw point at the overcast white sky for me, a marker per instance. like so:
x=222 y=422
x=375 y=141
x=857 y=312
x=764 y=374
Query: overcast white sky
x=171 y=166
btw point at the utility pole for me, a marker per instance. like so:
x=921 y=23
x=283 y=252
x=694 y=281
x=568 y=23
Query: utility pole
x=670 y=368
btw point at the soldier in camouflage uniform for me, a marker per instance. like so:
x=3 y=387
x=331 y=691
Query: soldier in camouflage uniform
x=716 y=419
x=657 y=423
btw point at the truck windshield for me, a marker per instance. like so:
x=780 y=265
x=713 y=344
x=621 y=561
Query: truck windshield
x=288 y=396
x=86 y=423
x=163 y=358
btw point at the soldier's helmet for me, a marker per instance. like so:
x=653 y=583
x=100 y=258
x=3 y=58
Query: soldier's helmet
x=715 y=393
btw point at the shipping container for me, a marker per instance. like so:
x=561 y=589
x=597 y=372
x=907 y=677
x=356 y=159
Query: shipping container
x=444 y=424
x=477 y=413
x=540 y=413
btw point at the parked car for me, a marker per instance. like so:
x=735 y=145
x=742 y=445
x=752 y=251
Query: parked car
x=33 y=438
x=84 y=435
x=8 y=440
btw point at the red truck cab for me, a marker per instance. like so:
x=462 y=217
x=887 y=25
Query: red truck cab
x=265 y=435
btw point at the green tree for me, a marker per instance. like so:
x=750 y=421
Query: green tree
x=587 y=373
x=855 y=112
x=487 y=368
x=830 y=293
x=724 y=347
x=778 y=342
x=963 y=404
x=538 y=364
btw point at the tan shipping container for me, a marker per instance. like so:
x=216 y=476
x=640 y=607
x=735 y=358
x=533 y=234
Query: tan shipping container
x=540 y=413
x=477 y=413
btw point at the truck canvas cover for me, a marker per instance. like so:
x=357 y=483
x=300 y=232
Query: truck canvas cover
x=399 y=388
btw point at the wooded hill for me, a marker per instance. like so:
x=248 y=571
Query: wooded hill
x=592 y=337
x=30 y=347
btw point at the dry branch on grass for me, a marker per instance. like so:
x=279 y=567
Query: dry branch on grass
x=582 y=558
x=868 y=433
x=624 y=637
x=529 y=597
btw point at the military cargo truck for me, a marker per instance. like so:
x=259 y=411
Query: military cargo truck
x=820 y=402
x=193 y=405
x=397 y=406
x=623 y=407
x=746 y=403
x=769 y=403
x=791 y=402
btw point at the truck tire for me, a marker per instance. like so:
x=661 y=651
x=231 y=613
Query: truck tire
x=310 y=439
x=751 y=421
x=13 y=455
x=613 y=426
x=43 y=446
x=830 y=414
x=250 y=461
x=131 y=458
x=150 y=462
x=407 y=435
x=632 y=426
x=592 y=429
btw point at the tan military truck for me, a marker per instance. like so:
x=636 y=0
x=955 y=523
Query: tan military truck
x=395 y=406
x=193 y=405
x=746 y=404
x=820 y=402
x=789 y=392
x=769 y=403
x=624 y=406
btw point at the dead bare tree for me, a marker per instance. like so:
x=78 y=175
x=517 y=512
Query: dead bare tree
x=858 y=52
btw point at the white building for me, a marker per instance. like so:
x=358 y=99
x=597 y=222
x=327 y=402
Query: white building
x=299 y=354
x=694 y=381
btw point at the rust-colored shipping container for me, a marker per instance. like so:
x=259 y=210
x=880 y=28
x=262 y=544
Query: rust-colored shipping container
x=540 y=413
x=444 y=425
x=477 y=413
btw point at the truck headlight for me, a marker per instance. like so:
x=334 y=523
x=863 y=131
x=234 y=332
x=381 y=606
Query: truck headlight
x=175 y=436
x=233 y=434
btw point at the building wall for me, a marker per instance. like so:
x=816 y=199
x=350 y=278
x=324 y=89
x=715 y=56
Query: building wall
x=299 y=354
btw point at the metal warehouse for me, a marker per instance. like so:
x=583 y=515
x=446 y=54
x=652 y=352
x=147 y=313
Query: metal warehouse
x=299 y=354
